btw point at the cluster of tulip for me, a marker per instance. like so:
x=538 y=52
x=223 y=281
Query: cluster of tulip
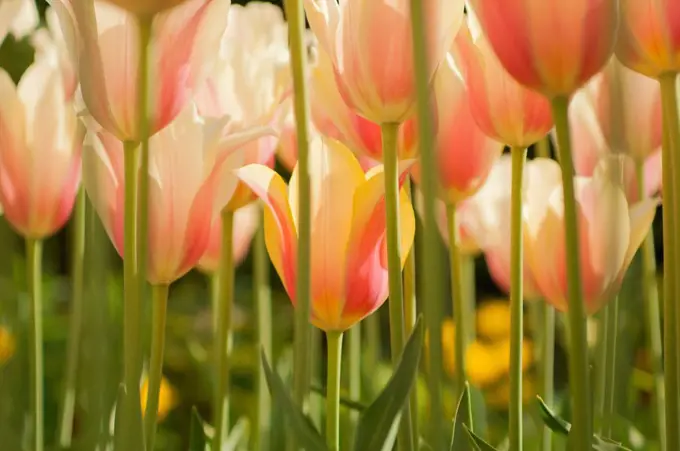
x=172 y=112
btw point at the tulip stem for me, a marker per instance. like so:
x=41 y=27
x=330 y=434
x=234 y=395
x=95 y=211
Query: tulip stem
x=459 y=310
x=221 y=345
x=396 y=302
x=468 y=262
x=298 y=58
x=372 y=329
x=355 y=368
x=433 y=280
x=131 y=431
x=581 y=433
x=650 y=300
x=264 y=335
x=611 y=332
x=158 y=319
x=68 y=402
x=547 y=368
x=519 y=156
x=334 y=341
x=670 y=147
x=543 y=147
x=34 y=275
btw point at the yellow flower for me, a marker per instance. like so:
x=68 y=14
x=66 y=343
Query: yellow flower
x=167 y=398
x=499 y=396
x=8 y=345
x=493 y=319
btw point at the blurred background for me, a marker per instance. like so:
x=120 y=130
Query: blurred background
x=187 y=373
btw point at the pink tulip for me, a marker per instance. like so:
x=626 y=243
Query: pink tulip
x=503 y=109
x=465 y=154
x=246 y=222
x=191 y=181
x=146 y=8
x=18 y=18
x=610 y=232
x=649 y=36
x=103 y=42
x=370 y=46
x=349 y=266
x=553 y=47
x=40 y=151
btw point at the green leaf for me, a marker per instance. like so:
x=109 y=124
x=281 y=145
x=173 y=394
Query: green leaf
x=605 y=444
x=238 y=435
x=197 y=436
x=301 y=426
x=477 y=442
x=377 y=420
x=552 y=420
x=459 y=439
x=346 y=402
x=119 y=441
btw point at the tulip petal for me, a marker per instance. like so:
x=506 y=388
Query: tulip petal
x=641 y=218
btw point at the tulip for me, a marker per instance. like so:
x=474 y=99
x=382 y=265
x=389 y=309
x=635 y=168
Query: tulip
x=369 y=44
x=649 y=36
x=103 y=43
x=179 y=219
x=551 y=47
x=611 y=232
x=40 y=151
x=503 y=109
x=246 y=221
x=349 y=274
x=18 y=18
x=146 y=8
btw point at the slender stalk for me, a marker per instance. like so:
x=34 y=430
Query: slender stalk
x=158 y=319
x=396 y=301
x=221 y=343
x=610 y=371
x=461 y=340
x=650 y=301
x=68 y=401
x=410 y=308
x=355 y=367
x=547 y=367
x=298 y=49
x=34 y=276
x=131 y=431
x=581 y=435
x=519 y=156
x=671 y=145
x=543 y=147
x=433 y=280
x=264 y=337
x=334 y=340
x=214 y=299
x=373 y=337
x=470 y=295
x=604 y=321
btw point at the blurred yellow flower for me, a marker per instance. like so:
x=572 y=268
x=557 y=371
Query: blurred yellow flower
x=498 y=397
x=8 y=345
x=167 y=398
x=493 y=319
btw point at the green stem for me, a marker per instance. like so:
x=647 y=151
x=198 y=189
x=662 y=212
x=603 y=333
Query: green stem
x=603 y=321
x=214 y=299
x=547 y=366
x=264 y=336
x=612 y=314
x=334 y=340
x=221 y=344
x=355 y=367
x=519 y=156
x=373 y=335
x=470 y=294
x=650 y=301
x=581 y=435
x=671 y=145
x=160 y=310
x=34 y=275
x=543 y=147
x=298 y=57
x=433 y=289
x=396 y=301
x=131 y=431
x=68 y=401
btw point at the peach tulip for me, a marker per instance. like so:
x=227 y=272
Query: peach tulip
x=610 y=232
x=333 y=118
x=246 y=221
x=503 y=109
x=104 y=44
x=191 y=180
x=18 y=18
x=465 y=154
x=553 y=47
x=146 y=8
x=40 y=150
x=370 y=46
x=649 y=36
x=348 y=255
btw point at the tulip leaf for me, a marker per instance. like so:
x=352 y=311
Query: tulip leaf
x=478 y=443
x=605 y=444
x=379 y=420
x=197 y=436
x=119 y=439
x=301 y=426
x=552 y=420
x=459 y=439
